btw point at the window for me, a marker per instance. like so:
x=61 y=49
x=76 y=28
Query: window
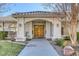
x=12 y=26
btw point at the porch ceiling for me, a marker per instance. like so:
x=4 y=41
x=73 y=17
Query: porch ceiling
x=37 y=14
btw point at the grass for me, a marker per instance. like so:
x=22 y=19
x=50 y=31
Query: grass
x=9 y=49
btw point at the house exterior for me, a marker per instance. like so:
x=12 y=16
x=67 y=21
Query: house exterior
x=36 y=24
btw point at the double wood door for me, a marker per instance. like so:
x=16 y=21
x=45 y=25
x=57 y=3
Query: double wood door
x=38 y=31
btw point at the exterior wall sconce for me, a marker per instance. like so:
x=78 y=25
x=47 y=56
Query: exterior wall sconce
x=57 y=25
x=20 y=25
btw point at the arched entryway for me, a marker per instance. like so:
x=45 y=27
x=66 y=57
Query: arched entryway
x=25 y=25
x=39 y=28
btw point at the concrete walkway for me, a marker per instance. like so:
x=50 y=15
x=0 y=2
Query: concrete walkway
x=38 y=47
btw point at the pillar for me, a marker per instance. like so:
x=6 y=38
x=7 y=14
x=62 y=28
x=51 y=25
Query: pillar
x=20 y=30
x=56 y=29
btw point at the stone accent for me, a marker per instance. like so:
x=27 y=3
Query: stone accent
x=68 y=51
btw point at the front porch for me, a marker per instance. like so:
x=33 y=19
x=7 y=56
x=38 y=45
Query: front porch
x=38 y=28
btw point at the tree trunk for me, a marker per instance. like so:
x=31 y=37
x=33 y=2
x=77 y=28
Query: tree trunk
x=73 y=34
x=74 y=24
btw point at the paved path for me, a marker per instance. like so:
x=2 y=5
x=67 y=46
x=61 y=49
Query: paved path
x=38 y=47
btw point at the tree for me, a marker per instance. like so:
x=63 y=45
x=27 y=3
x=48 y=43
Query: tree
x=70 y=11
x=74 y=15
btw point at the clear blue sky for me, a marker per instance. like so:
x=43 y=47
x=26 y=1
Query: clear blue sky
x=23 y=7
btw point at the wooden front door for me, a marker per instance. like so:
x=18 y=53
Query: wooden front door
x=38 y=31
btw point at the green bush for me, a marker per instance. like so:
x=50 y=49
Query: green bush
x=3 y=35
x=78 y=36
x=60 y=42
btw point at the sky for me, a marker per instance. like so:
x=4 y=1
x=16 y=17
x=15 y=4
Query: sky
x=23 y=7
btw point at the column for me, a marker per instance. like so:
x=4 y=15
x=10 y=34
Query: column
x=56 y=29
x=20 y=30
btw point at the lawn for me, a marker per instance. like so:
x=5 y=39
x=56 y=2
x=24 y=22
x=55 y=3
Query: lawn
x=9 y=49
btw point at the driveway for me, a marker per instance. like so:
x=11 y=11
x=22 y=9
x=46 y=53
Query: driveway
x=38 y=47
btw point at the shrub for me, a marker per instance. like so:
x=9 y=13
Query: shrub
x=67 y=37
x=60 y=42
x=3 y=35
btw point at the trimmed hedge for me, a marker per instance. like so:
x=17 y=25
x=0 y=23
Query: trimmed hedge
x=3 y=34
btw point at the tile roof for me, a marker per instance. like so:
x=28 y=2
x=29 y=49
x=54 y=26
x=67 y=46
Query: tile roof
x=38 y=14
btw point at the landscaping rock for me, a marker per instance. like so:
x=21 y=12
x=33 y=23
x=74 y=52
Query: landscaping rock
x=68 y=51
